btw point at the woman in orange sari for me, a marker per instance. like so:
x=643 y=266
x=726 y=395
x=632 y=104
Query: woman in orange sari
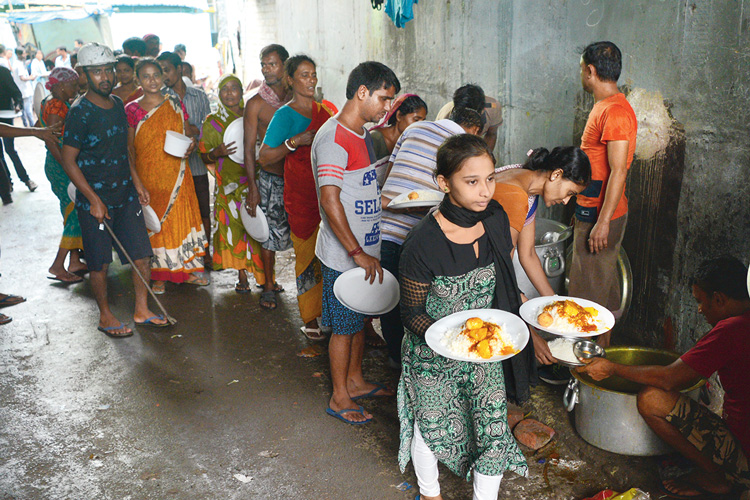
x=289 y=137
x=182 y=239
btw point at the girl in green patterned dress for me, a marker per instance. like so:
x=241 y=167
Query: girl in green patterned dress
x=455 y=259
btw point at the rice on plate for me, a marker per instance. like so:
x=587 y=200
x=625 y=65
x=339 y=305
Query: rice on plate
x=478 y=339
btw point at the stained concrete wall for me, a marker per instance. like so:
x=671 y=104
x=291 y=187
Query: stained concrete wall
x=524 y=52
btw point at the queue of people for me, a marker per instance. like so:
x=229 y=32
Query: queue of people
x=325 y=179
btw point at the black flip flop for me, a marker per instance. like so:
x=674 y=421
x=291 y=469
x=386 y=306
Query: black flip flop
x=65 y=282
x=268 y=297
x=276 y=288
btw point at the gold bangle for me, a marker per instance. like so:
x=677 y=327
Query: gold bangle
x=294 y=144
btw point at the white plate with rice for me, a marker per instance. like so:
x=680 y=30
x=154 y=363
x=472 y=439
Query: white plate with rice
x=562 y=350
x=531 y=309
x=446 y=339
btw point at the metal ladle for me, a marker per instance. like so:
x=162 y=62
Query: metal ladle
x=585 y=350
x=554 y=237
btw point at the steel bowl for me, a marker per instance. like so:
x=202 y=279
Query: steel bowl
x=585 y=350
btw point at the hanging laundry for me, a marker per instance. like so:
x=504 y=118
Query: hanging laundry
x=401 y=11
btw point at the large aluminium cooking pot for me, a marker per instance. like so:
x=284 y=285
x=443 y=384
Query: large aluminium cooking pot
x=606 y=413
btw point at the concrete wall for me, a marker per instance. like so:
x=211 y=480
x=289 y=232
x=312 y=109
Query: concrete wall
x=524 y=52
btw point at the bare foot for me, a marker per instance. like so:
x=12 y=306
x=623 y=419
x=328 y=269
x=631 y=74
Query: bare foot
x=353 y=416
x=698 y=483
x=372 y=338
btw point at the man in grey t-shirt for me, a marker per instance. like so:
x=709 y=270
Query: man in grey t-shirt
x=349 y=236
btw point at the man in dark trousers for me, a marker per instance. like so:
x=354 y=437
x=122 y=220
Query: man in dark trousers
x=11 y=101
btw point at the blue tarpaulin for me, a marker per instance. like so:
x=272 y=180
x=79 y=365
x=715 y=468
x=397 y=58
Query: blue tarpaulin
x=27 y=17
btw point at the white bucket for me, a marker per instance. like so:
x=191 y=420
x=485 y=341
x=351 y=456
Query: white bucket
x=176 y=144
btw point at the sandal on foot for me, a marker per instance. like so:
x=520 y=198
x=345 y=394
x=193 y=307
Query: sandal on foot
x=109 y=331
x=314 y=334
x=268 y=300
x=340 y=415
x=150 y=322
x=276 y=287
x=4 y=320
x=68 y=281
x=240 y=287
x=197 y=280
x=159 y=288
x=374 y=393
x=11 y=300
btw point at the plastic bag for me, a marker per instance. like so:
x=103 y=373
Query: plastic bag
x=632 y=494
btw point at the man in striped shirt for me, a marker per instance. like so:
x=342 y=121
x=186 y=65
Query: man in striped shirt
x=413 y=168
x=349 y=199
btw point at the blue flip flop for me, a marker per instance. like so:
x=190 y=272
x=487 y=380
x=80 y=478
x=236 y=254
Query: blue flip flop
x=107 y=330
x=150 y=322
x=339 y=415
x=11 y=300
x=373 y=393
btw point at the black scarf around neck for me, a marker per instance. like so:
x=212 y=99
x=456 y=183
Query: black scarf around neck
x=520 y=370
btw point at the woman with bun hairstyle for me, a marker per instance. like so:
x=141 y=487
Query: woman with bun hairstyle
x=555 y=176
x=455 y=259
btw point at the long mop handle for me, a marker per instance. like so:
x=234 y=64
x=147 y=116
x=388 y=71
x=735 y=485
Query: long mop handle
x=169 y=318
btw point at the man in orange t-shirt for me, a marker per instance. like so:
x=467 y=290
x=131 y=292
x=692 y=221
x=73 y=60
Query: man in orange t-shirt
x=601 y=211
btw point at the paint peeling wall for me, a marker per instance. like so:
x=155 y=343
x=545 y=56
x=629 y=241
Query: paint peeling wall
x=695 y=53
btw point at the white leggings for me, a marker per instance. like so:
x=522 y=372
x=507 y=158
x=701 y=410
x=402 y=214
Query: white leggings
x=426 y=468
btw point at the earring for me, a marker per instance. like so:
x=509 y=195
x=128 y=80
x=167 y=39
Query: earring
x=446 y=190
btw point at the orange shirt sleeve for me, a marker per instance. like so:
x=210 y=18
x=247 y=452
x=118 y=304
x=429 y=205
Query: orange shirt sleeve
x=515 y=201
x=618 y=124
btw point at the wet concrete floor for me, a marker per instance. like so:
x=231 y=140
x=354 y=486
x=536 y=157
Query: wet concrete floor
x=219 y=406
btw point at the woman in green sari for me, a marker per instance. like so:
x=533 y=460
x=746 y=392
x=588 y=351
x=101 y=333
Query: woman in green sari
x=63 y=85
x=233 y=247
